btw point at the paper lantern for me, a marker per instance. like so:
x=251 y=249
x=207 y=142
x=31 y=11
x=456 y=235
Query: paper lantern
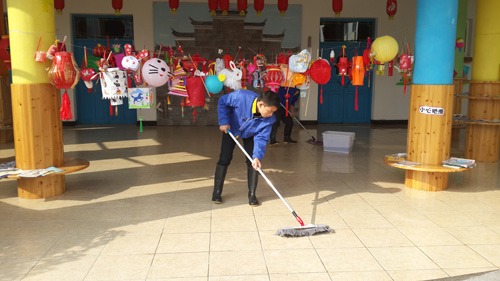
x=64 y=72
x=358 y=73
x=174 y=5
x=384 y=48
x=391 y=8
x=59 y=6
x=214 y=83
x=117 y=5
x=337 y=7
x=99 y=51
x=156 y=72
x=196 y=91
x=282 y=6
x=87 y=75
x=321 y=73
x=274 y=77
x=227 y=60
x=224 y=6
x=213 y=5
x=342 y=66
x=242 y=6
x=258 y=5
x=114 y=85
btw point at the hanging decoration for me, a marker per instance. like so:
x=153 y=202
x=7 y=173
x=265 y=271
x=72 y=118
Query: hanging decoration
x=177 y=85
x=384 y=48
x=391 y=8
x=233 y=76
x=300 y=63
x=282 y=6
x=358 y=73
x=140 y=98
x=65 y=112
x=274 y=77
x=258 y=5
x=59 y=6
x=214 y=83
x=391 y=67
x=213 y=5
x=88 y=74
x=114 y=85
x=224 y=6
x=117 y=5
x=174 y=5
x=342 y=65
x=100 y=51
x=242 y=7
x=405 y=62
x=156 y=72
x=337 y=7
x=321 y=73
x=40 y=56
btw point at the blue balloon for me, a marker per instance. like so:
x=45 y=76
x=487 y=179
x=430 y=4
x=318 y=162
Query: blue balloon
x=214 y=85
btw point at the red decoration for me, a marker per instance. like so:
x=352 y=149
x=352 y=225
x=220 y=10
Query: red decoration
x=242 y=6
x=258 y=5
x=64 y=72
x=321 y=73
x=227 y=60
x=342 y=67
x=99 y=51
x=391 y=67
x=282 y=6
x=174 y=5
x=274 y=77
x=59 y=6
x=65 y=112
x=391 y=8
x=213 y=5
x=224 y=6
x=337 y=7
x=117 y=5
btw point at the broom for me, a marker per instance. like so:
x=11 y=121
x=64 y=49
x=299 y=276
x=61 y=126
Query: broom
x=311 y=141
x=302 y=230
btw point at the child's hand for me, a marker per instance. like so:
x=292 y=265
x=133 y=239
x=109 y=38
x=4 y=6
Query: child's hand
x=224 y=128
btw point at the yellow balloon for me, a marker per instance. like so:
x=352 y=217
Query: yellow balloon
x=221 y=77
x=385 y=48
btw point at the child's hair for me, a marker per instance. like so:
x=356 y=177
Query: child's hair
x=270 y=98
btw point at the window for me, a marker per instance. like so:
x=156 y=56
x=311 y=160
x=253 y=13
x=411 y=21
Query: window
x=121 y=27
x=346 y=30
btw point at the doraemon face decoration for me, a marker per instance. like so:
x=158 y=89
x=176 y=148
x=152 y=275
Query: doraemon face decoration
x=156 y=72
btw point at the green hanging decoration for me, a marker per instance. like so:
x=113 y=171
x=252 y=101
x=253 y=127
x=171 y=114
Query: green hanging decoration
x=140 y=124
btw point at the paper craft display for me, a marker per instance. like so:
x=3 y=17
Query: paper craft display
x=300 y=62
x=64 y=72
x=156 y=72
x=140 y=98
x=274 y=77
x=114 y=84
x=196 y=91
x=177 y=84
x=87 y=75
x=233 y=77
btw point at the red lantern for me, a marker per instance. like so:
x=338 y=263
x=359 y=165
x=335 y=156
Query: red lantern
x=342 y=67
x=391 y=8
x=391 y=67
x=337 y=7
x=59 y=6
x=242 y=6
x=64 y=72
x=258 y=5
x=282 y=6
x=224 y=6
x=99 y=51
x=174 y=5
x=321 y=73
x=117 y=5
x=213 y=5
x=274 y=77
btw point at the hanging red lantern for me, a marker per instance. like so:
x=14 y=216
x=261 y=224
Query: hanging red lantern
x=321 y=73
x=242 y=6
x=282 y=6
x=224 y=6
x=337 y=7
x=391 y=8
x=99 y=51
x=258 y=5
x=64 y=72
x=117 y=5
x=213 y=5
x=59 y=6
x=274 y=77
x=174 y=5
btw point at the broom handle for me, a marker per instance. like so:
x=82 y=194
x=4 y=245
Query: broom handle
x=294 y=118
x=267 y=180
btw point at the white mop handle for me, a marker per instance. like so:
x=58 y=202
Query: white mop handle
x=262 y=173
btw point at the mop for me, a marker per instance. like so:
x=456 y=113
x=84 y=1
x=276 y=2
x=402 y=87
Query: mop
x=311 y=141
x=302 y=230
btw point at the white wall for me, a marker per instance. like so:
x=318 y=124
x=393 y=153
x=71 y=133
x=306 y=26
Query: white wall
x=388 y=102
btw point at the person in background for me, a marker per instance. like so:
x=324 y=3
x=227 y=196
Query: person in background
x=249 y=116
x=280 y=114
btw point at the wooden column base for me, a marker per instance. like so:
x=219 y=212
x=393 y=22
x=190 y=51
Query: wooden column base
x=41 y=187
x=428 y=181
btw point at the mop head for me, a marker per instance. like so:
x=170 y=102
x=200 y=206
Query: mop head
x=306 y=230
x=316 y=142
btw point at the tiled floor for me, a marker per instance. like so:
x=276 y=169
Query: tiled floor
x=142 y=211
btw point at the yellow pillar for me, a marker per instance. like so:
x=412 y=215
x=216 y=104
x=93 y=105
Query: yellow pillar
x=482 y=140
x=35 y=102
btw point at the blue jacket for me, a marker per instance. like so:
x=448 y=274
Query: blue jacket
x=292 y=91
x=236 y=109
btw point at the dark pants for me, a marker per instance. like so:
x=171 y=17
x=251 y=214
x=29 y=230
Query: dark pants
x=280 y=115
x=227 y=149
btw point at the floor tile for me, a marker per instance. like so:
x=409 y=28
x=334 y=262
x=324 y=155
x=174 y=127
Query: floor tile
x=366 y=220
x=120 y=267
x=271 y=241
x=489 y=252
x=360 y=276
x=448 y=257
x=239 y=223
x=299 y=276
x=293 y=261
x=235 y=241
x=237 y=263
x=185 y=265
x=187 y=225
x=429 y=236
x=61 y=268
x=348 y=259
x=240 y=277
x=429 y=274
x=381 y=237
x=15 y=268
x=184 y=243
x=474 y=235
x=341 y=238
x=408 y=258
x=132 y=244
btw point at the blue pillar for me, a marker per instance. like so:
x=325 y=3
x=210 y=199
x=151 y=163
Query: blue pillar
x=435 y=37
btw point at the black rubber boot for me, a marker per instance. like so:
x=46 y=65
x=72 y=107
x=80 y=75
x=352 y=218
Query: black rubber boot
x=272 y=141
x=288 y=133
x=253 y=177
x=220 y=175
